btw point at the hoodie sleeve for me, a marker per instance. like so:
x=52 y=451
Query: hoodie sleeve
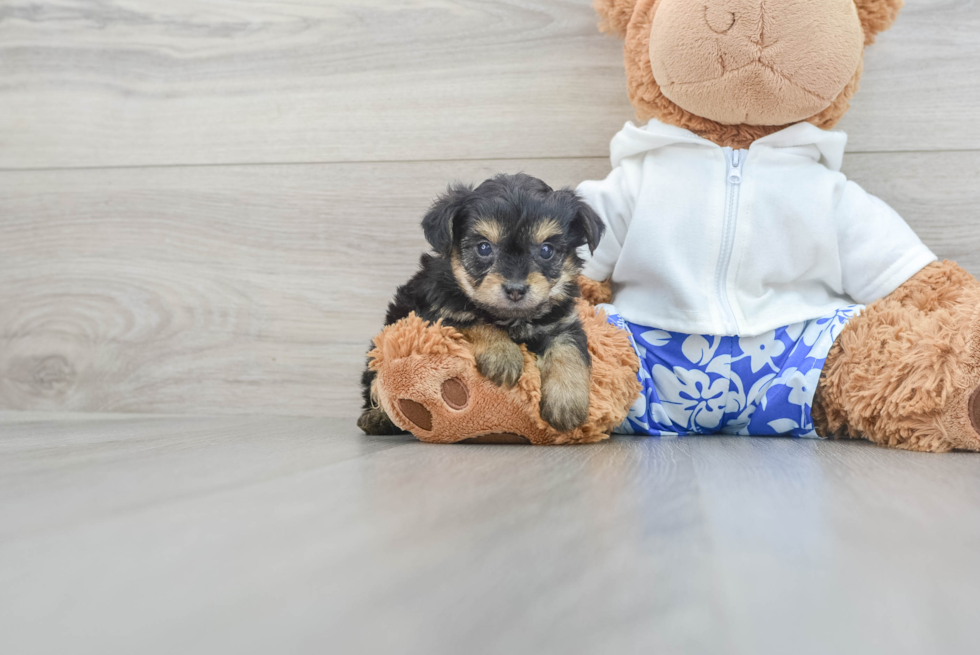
x=878 y=250
x=613 y=200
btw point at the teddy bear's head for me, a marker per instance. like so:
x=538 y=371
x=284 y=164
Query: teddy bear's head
x=733 y=71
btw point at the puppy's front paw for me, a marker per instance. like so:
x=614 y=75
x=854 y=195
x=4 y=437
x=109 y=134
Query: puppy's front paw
x=565 y=382
x=497 y=357
x=565 y=408
x=502 y=362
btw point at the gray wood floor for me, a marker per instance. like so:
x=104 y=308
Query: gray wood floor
x=294 y=535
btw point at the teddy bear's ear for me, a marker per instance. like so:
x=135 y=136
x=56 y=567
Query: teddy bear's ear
x=614 y=15
x=877 y=16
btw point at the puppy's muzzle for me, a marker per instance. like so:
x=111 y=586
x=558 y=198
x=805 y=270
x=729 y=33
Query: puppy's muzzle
x=515 y=291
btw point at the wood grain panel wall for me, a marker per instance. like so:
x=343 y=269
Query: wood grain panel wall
x=138 y=82
x=205 y=206
x=257 y=288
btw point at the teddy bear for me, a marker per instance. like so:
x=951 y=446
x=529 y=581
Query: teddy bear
x=744 y=285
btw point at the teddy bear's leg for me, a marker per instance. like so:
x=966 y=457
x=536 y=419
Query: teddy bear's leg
x=427 y=381
x=595 y=293
x=905 y=373
x=447 y=400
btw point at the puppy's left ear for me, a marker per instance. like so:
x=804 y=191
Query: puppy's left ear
x=586 y=228
x=439 y=222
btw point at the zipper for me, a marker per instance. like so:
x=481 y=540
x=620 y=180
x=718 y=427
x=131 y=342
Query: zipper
x=735 y=160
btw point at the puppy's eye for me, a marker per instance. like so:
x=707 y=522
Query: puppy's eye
x=484 y=249
x=547 y=251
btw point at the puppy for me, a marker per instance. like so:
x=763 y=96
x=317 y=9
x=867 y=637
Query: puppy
x=504 y=273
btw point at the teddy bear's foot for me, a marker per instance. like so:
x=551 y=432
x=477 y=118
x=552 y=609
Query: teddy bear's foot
x=428 y=382
x=448 y=401
x=959 y=421
x=906 y=372
x=947 y=298
x=956 y=428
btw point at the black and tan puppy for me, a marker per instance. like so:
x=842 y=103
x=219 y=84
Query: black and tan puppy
x=504 y=273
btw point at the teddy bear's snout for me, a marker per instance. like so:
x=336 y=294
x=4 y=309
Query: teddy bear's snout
x=754 y=58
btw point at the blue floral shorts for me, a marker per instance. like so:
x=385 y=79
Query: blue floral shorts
x=761 y=385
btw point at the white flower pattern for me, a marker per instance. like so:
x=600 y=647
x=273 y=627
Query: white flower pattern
x=761 y=349
x=695 y=384
x=690 y=398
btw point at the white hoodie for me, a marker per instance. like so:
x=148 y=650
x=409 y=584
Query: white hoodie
x=708 y=240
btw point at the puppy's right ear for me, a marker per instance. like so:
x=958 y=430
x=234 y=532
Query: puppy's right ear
x=614 y=15
x=441 y=219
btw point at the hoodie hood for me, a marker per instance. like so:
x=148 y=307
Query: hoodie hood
x=806 y=139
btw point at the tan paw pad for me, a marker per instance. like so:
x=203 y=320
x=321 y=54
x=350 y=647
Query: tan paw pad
x=974 y=410
x=455 y=394
x=416 y=413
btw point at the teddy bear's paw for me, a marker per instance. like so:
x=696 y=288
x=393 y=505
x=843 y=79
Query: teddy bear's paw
x=455 y=395
x=501 y=362
x=375 y=421
x=956 y=427
x=973 y=411
x=970 y=423
x=959 y=421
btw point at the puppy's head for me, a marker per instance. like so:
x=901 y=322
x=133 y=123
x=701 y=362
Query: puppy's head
x=512 y=242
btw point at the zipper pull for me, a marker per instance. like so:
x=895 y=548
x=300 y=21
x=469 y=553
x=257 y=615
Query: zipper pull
x=735 y=174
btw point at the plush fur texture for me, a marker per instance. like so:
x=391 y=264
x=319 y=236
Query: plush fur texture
x=427 y=382
x=901 y=374
x=650 y=101
x=745 y=61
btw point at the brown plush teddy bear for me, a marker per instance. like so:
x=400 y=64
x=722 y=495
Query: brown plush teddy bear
x=762 y=292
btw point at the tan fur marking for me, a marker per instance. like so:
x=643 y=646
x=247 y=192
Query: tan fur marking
x=462 y=276
x=565 y=379
x=546 y=229
x=489 y=229
x=568 y=273
x=497 y=357
x=488 y=291
x=460 y=317
x=538 y=285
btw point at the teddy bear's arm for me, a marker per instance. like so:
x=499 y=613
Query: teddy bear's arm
x=613 y=200
x=878 y=250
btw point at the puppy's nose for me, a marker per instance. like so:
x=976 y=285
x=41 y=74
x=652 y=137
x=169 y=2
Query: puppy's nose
x=515 y=291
